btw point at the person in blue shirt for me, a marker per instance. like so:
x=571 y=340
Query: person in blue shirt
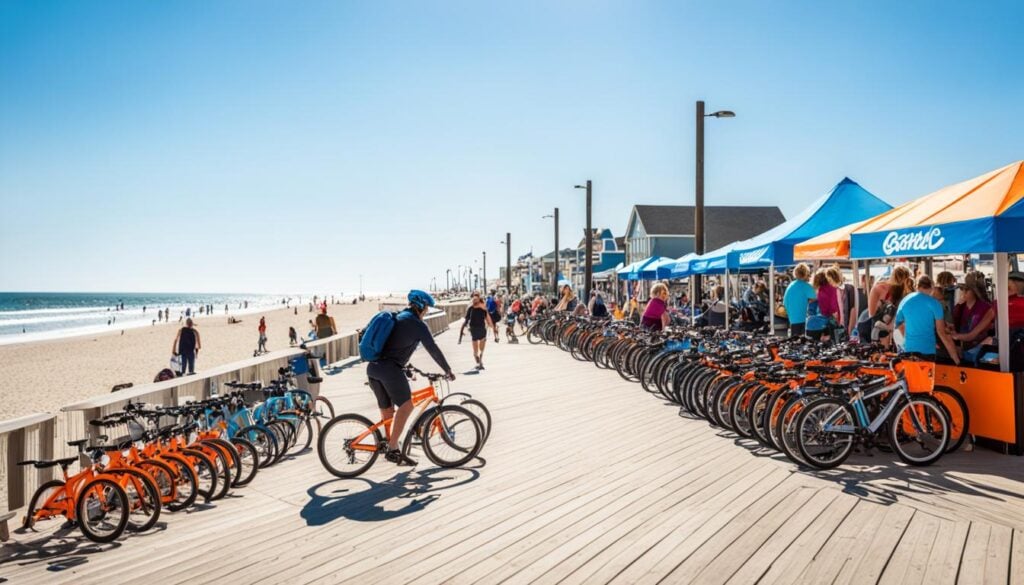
x=798 y=295
x=919 y=317
x=387 y=377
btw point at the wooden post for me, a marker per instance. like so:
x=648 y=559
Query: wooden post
x=15 y=472
x=46 y=438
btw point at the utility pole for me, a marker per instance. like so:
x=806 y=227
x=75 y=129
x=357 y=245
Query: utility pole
x=589 y=264
x=485 y=269
x=508 y=263
x=554 y=279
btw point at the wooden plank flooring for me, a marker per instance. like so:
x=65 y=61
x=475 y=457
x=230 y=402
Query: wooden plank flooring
x=586 y=479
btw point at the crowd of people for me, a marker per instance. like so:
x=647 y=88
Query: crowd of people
x=922 y=315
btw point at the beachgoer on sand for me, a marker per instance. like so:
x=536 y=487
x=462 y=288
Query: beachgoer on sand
x=263 y=335
x=324 y=324
x=187 y=345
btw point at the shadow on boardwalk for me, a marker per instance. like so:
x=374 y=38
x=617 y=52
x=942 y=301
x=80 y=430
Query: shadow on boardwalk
x=365 y=500
x=881 y=478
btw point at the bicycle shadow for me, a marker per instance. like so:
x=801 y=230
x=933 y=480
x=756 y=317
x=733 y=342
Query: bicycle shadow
x=365 y=500
x=60 y=549
x=880 y=477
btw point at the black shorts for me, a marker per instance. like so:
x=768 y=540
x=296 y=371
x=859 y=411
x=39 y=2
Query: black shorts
x=478 y=333
x=389 y=384
x=796 y=329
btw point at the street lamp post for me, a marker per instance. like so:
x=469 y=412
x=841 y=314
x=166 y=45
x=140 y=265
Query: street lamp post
x=508 y=263
x=554 y=277
x=698 y=209
x=448 y=280
x=589 y=262
x=485 y=269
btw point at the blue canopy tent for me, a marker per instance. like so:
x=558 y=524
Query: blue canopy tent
x=638 y=267
x=682 y=266
x=657 y=268
x=846 y=203
x=623 y=273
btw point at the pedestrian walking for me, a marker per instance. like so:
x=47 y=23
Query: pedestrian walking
x=187 y=345
x=262 y=347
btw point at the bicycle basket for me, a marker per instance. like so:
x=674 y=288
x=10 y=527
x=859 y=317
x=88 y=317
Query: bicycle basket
x=920 y=375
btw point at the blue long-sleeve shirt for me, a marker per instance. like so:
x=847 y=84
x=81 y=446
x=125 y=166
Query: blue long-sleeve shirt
x=408 y=333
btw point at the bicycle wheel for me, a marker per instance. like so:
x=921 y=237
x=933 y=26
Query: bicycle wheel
x=163 y=477
x=248 y=459
x=206 y=474
x=303 y=435
x=230 y=457
x=482 y=414
x=264 y=441
x=957 y=413
x=919 y=431
x=534 y=334
x=143 y=498
x=825 y=432
x=348 y=445
x=281 y=439
x=738 y=408
x=102 y=510
x=452 y=436
x=185 y=484
x=42 y=495
x=224 y=469
x=324 y=408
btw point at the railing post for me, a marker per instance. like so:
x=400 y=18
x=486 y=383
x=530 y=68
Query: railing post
x=15 y=472
x=47 y=440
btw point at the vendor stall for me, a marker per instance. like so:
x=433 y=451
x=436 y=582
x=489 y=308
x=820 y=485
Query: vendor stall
x=983 y=215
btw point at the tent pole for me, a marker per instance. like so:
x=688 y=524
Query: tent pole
x=1002 y=310
x=771 y=298
x=689 y=281
x=726 y=299
x=856 y=296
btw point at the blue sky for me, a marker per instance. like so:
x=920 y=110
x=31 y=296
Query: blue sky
x=268 y=146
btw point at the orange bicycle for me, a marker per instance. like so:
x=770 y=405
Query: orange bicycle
x=450 y=435
x=94 y=501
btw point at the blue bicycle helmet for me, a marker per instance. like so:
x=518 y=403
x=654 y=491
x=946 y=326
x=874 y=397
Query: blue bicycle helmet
x=420 y=299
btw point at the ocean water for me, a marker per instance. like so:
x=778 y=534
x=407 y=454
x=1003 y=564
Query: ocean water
x=32 y=316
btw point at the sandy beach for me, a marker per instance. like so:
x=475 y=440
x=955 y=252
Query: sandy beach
x=45 y=375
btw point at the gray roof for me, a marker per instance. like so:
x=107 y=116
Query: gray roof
x=723 y=224
x=566 y=253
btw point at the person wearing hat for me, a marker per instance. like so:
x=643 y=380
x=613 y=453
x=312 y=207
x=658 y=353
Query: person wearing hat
x=973 y=315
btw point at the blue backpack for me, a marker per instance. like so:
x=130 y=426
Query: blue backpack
x=375 y=335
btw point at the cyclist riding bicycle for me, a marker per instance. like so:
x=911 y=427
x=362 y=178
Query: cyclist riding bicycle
x=387 y=378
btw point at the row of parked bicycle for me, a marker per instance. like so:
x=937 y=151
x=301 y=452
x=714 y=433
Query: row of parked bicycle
x=145 y=459
x=149 y=459
x=814 y=403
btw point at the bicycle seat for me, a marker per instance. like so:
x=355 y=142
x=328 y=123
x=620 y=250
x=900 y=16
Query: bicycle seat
x=50 y=463
x=314 y=379
x=77 y=443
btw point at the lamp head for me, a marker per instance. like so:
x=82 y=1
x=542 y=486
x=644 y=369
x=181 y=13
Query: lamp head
x=723 y=114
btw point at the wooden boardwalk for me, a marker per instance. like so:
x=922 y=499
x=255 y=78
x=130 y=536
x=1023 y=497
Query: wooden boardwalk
x=586 y=479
